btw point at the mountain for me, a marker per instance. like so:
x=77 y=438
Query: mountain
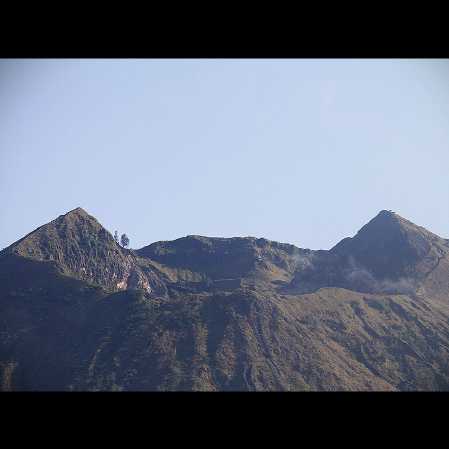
x=392 y=247
x=388 y=255
x=79 y=246
x=79 y=312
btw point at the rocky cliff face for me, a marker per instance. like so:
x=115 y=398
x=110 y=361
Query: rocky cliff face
x=79 y=246
x=78 y=312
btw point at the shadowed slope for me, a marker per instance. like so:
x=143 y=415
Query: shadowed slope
x=391 y=246
x=388 y=255
x=79 y=246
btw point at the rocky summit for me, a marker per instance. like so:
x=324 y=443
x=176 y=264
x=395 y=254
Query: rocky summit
x=80 y=313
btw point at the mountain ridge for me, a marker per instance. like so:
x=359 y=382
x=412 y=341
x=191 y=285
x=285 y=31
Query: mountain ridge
x=386 y=252
x=79 y=312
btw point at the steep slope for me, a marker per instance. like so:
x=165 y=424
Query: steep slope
x=72 y=337
x=388 y=255
x=79 y=246
x=244 y=340
x=225 y=314
x=390 y=246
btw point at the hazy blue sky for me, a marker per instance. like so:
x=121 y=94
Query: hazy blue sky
x=299 y=151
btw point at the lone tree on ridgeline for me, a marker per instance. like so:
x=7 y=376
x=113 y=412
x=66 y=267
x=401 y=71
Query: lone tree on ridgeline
x=116 y=236
x=124 y=240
